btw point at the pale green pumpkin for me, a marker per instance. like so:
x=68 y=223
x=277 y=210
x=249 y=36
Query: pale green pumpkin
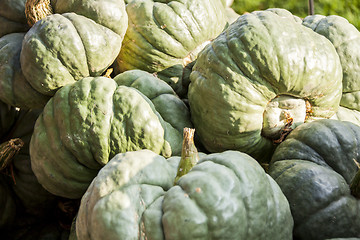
x=88 y=122
x=265 y=74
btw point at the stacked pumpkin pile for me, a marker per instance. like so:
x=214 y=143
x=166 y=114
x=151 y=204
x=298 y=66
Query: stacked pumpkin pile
x=100 y=100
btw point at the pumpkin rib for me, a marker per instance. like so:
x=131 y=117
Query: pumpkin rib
x=143 y=36
x=185 y=22
x=165 y=29
x=229 y=85
x=142 y=218
x=319 y=211
x=241 y=181
x=270 y=86
x=209 y=176
x=84 y=48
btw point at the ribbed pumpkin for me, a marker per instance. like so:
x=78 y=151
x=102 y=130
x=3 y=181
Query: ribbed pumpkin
x=15 y=90
x=346 y=39
x=164 y=36
x=74 y=39
x=88 y=122
x=315 y=167
x=265 y=74
x=224 y=196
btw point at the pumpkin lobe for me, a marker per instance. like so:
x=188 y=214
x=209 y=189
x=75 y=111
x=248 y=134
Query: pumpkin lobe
x=36 y=10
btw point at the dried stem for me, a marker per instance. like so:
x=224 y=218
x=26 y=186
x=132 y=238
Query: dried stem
x=36 y=10
x=189 y=153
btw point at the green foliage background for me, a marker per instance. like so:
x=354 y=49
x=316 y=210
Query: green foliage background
x=349 y=9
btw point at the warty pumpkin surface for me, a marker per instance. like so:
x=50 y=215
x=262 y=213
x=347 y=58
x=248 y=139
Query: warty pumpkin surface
x=75 y=39
x=264 y=74
x=224 y=196
x=346 y=39
x=314 y=167
x=164 y=36
x=88 y=122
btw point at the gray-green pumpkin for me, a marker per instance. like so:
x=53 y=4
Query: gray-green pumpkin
x=346 y=39
x=77 y=39
x=164 y=36
x=15 y=90
x=224 y=196
x=265 y=74
x=12 y=17
x=88 y=122
x=315 y=167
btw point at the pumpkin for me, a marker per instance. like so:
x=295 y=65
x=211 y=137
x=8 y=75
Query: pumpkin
x=347 y=114
x=163 y=37
x=260 y=78
x=12 y=17
x=75 y=39
x=346 y=39
x=315 y=167
x=86 y=123
x=223 y=196
x=15 y=90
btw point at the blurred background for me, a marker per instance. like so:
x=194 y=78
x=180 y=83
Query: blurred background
x=349 y=9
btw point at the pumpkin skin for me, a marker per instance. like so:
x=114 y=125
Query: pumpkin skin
x=79 y=39
x=224 y=196
x=86 y=123
x=163 y=37
x=346 y=39
x=346 y=114
x=12 y=17
x=263 y=57
x=15 y=90
x=314 y=167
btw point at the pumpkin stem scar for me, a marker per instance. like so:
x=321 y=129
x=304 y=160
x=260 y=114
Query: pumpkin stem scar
x=285 y=131
x=36 y=10
x=282 y=114
x=355 y=185
x=8 y=150
x=189 y=153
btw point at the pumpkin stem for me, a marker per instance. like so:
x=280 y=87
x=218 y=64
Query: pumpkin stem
x=8 y=150
x=355 y=185
x=36 y=10
x=189 y=153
